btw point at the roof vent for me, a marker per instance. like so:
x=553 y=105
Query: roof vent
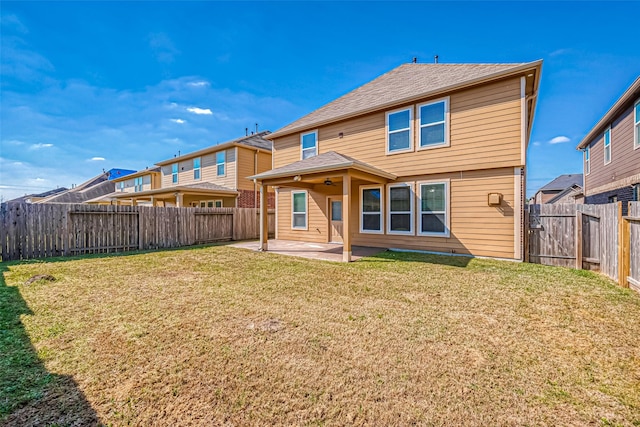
x=435 y=59
x=415 y=60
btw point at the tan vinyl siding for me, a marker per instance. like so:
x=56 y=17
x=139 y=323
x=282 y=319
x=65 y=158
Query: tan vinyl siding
x=485 y=132
x=476 y=228
x=264 y=162
x=246 y=167
x=625 y=161
x=316 y=217
x=129 y=184
x=207 y=174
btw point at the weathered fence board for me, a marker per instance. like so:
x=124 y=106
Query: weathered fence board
x=633 y=276
x=594 y=237
x=44 y=230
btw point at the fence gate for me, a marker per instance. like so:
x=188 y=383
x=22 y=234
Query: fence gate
x=577 y=236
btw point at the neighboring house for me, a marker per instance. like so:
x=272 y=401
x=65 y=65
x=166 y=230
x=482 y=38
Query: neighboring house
x=95 y=187
x=32 y=198
x=612 y=152
x=569 y=185
x=425 y=157
x=144 y=180
x=212 y=177
x=572 y=195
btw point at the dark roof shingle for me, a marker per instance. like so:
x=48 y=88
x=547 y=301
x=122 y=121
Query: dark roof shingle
x=563 y=181
x=404 y=83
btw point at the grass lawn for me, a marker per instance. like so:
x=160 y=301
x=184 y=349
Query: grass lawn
x=225 y=336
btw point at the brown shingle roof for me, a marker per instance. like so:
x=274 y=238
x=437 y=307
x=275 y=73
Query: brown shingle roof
x=402 y=84
x=324 y=162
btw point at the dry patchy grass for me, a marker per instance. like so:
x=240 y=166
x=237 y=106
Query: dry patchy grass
x=225 y=336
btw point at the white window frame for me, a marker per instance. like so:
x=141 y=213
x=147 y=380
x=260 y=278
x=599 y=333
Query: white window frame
x=381 y=212
x=121 y=186
x=174 y=173
x=306 y=212
x=411 y=231
x=218 y=202
x=138 y=184
x=605 y=146
x=447 y=141
x=197 y=169
x=315 y=147
x=587 y=160
x=636 y=126
x=223 y=163
x=447 y=205
x=387 y=133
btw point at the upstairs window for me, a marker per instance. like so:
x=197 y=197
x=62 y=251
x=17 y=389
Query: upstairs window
x=400 y=199
x=434 y=130
x=607 y=146
x=434 y=209
x=371 y=209
x=587 y=160
x=220 y=160
x=399 y=131
x=636 y=128
x=137 y=183
x=174 y=173
x=309 y=144
x=121 y=185
x=196 y=168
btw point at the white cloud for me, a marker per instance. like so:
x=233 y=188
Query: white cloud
x=196 y=110
x=536 y=143
x=179 y=121
x=559 y=140
x=97 y=159
x=39 y=146
x=40 y=179
x=198 y=84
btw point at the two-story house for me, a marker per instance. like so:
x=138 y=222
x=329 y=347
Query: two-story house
x=212 y=177
x=144 y=180
x=612 y=152
x=425 y=157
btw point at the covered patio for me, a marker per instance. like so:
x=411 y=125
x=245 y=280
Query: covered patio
x=329 y=174
x=312 y=250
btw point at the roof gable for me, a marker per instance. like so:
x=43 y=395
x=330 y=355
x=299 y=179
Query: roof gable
x=403 y=84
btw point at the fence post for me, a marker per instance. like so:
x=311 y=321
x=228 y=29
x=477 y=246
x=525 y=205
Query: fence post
x=578 y=240
x=234 y=224
x=525 y=235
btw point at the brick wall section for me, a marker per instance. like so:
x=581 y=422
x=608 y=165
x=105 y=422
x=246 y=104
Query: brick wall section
x=624 y=194
x=247 y=199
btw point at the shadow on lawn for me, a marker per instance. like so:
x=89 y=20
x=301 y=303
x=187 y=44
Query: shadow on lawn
x=390 y=256
x=29 y=394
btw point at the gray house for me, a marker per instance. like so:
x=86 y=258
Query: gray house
x=612 y=152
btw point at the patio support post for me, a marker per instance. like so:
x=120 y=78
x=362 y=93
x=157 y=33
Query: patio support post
x=346 y=208
x=134 y=202
x=264 y=218
x=154 y=203
x=179 y=200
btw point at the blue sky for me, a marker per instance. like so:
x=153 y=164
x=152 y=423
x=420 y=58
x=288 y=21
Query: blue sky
x=88 y=86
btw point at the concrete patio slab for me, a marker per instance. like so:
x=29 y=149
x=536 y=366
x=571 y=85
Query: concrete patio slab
x=321 y=251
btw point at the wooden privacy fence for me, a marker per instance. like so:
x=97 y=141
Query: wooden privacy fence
x=630 y=227
x=30 y=231
x=593 y=237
